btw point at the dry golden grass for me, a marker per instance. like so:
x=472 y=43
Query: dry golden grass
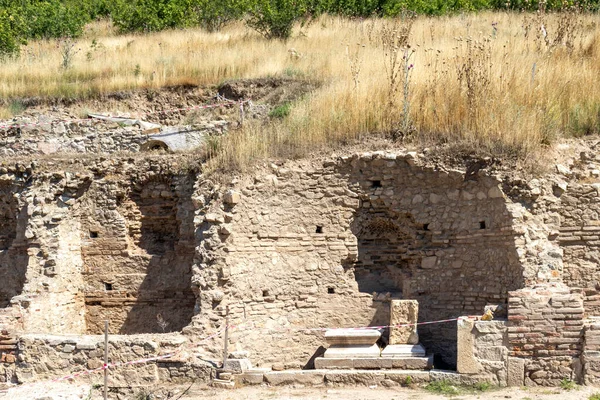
x=489 y=81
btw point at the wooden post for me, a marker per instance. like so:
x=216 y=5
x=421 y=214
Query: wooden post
x=226 y=337
x=241 y=113
x=105 y=360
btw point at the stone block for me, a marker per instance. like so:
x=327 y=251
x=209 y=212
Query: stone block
x=403 y=351
x=237 y=366
x=401 y=376
x=222 y=384
x=413 y=363
x=250 y=378
x=334 y=363
x=372 y=363
x=466 y=362
x=231 y=197
x=404 y=312
x=314 y=377
x=493 y=353
x=372 y=351
x=516 y=371
x=349 y=337
x=355 y=377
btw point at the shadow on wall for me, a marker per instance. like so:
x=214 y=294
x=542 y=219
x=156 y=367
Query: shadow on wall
x=13 y=253
x=434 y=237
x=165 y=301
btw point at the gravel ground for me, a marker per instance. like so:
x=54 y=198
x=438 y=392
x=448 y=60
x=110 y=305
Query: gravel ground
x=66 y=391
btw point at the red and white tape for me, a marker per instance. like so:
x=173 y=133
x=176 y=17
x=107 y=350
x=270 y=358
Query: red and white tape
x=283 y=329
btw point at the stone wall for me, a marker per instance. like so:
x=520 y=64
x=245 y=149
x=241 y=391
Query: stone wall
x=43 y=357
x=92 y=136
x=546 y=330
x=138 y=247
x=591 y=353
x=307 y=244
x=483 y=350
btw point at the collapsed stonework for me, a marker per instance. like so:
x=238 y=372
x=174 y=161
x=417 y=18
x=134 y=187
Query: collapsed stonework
x=153 y=246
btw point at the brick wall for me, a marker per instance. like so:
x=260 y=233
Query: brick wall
x=546 y=328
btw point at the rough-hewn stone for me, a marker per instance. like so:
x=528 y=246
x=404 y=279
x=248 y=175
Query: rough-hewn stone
x=404 y=312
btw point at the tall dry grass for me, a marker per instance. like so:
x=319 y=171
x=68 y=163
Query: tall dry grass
x=501 y=82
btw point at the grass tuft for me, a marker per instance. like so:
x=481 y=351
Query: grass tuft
x=443 y=387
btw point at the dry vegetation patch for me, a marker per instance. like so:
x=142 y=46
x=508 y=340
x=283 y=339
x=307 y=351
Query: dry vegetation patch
x=503 y=83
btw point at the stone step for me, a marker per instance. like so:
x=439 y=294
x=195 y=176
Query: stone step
x=412 y=363
x=403 y=351
x=316 y=377
x=222 y=384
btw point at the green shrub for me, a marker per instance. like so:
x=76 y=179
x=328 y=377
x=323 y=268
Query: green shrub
x=274 y=19
x=10 y=37
x=54 y=19
x=213 y=15
x=281 y=111
x=595 y=396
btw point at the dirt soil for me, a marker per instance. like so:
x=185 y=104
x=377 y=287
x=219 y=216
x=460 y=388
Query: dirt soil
x=66 y=391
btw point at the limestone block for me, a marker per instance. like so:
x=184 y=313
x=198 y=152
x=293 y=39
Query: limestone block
x=251 y=377
x=493 y=353
x=372 y=363
x=404 y=312
x=516 y=371
x=355 y=377
x=353 y=351
x=401 y=376
x=403 y=351
x=231 y=197
x=413 y=363
x=307 y=377
x=333 y=363
x=466 y=362
x=350 y=337
x=237 y=366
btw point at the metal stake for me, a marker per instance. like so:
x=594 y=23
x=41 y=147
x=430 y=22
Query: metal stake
x=105 y=360
x=226 y=338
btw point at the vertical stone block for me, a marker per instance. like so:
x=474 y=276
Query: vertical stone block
x=466 y=363
x=404 y=312
x=516 y=371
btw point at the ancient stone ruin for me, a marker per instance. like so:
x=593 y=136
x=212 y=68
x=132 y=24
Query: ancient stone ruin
x=289 y=254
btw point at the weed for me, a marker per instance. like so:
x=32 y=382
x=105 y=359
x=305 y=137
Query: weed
x=16 y=107
x=595 y=396
x=482 y=386
x=67 y=52
x=281 y=111
x=408 y=381
x=567 y=384
x=442 y=387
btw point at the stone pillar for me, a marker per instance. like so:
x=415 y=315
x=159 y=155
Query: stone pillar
x=404 y=312
x=466 y=363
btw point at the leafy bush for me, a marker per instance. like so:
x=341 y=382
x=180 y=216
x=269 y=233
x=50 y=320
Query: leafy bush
x=54 y=19
x=10 y=27
x=213 y=15
x=150 y=15
x=274 y=19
